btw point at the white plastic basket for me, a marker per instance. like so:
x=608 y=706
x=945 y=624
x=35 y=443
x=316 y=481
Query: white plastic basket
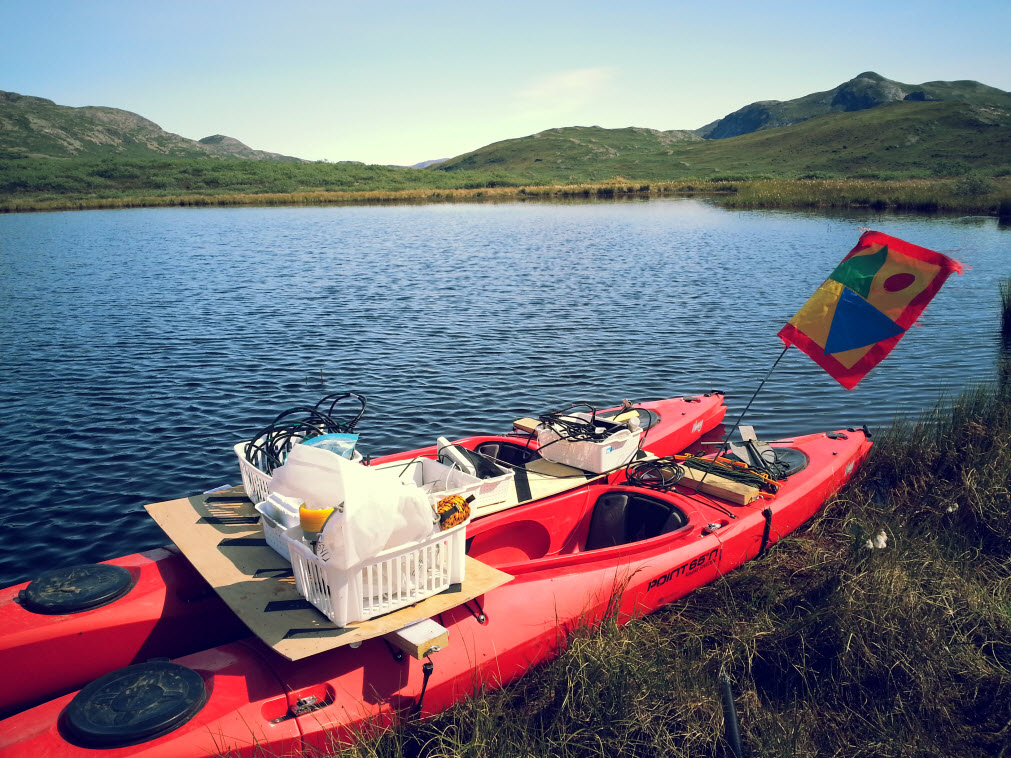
x=492 y=491
x=273 y=532
x=436 y=479
x=255 y=482
x=439 y=480
x=597 y=457
x=393 y=579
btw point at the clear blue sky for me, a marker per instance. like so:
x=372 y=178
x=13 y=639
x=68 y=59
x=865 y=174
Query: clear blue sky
x=403 y=82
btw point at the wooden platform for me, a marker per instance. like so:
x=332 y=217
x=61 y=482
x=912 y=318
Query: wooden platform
x=220 y=534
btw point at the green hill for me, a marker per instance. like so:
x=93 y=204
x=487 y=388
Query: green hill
x=33 y=127
x=574 y=147
x=866 y=90
x=867 y=128
x=903 y=137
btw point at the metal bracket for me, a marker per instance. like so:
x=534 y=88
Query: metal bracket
x=305 y=705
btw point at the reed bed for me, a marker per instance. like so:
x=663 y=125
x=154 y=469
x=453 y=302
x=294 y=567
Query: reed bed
x=834 y=647
x=920 y=195
x=1005 y=312
x=606 y=190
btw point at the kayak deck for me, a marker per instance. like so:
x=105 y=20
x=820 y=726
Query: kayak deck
x=220 y=534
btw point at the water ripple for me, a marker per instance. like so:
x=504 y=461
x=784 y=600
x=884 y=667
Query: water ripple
x=139 y=346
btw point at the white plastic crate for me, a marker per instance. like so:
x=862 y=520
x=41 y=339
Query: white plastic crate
x=273 y=531
x=436 y=479
x=394 y=579
x=598 y=457
x=492 y=491
x=255 y=482
x=439 y=480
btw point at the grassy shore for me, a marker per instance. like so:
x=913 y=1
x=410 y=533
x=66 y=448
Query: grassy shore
x=834 y=647
x=992 y=197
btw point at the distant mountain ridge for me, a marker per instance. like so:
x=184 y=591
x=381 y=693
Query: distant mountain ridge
x=868 y=125
x=34 y=127
x=864 y=91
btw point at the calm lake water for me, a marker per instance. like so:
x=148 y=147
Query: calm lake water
x=138 y=346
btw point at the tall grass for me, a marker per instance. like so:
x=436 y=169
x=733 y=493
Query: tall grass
x=1005 y=313
x=921 y=195
x=27 y=185
x=835 y=648
x=604 y=190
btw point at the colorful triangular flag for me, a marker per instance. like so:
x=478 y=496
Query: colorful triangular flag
x=868 y=302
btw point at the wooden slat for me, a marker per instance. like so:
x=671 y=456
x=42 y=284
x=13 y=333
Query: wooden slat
x=712 y=484
x=420 y=639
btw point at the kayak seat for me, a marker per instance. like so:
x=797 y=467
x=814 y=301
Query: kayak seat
x=480 y=461
x=620 y=518
x=509 y=453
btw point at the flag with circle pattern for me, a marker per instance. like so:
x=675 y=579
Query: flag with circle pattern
x=866 y=305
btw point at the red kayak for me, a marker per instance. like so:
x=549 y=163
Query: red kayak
x=154 y=604
x=606 y=546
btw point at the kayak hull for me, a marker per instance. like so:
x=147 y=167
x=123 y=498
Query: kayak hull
x=171 y=611
x=561 y=582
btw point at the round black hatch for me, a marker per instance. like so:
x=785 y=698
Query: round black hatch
x=790 y=460
x=76 y=589
x=133 y=705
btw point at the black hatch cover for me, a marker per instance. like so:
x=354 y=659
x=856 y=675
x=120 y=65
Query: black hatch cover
x=76 y=589
x=133 y=704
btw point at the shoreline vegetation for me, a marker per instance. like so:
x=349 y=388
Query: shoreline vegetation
x=880 y=628
x=964 y=195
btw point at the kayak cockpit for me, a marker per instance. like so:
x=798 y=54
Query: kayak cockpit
x=621 y=517
x=584 y=521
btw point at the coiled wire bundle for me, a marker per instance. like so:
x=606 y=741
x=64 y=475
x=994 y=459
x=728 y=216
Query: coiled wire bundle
x=658 y=474
x=575 y=428
x=268 y=448
x=664 y=473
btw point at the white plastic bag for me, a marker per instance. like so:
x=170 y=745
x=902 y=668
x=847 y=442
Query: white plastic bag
x=373 y=509
x=312 y=474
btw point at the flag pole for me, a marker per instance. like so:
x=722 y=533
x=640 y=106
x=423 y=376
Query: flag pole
x=762 y=384
x=725 y=442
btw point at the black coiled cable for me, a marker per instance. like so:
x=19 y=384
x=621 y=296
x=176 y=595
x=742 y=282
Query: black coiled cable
x=268 y=448
x=658 y=474
x=575 y=428
x=334 y=399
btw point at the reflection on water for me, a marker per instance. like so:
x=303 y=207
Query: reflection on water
x=139 y=346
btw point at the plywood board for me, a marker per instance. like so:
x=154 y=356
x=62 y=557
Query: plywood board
x=220 y=534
